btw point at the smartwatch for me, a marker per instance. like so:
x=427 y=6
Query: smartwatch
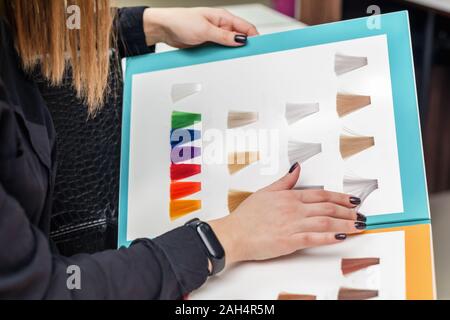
x=213 y=248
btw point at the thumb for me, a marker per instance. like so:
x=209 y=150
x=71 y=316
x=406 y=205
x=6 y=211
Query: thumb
x=225 y=37
x=288 y=181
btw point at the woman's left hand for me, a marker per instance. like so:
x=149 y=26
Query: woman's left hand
x=188 y=27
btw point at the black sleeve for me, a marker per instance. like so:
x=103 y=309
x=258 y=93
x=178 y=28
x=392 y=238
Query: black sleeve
x=130 y=28
x=168 y=267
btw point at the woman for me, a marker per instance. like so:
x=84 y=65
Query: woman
x=275 y=221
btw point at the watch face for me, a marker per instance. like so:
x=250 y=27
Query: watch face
x=210 y=240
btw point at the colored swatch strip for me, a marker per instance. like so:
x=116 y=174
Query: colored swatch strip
x=181 y=137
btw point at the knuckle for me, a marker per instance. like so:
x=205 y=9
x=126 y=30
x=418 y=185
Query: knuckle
x=324 y=195
x=329 y=209
x=323 y=223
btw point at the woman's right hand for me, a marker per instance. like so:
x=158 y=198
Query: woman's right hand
x=278 y=221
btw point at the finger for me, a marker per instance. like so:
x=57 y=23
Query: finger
x=242 y=26
x=301 y=241
x=315 y=196
x=287 y=182
x=331 y=210
x=327 y=224
x=225 y=37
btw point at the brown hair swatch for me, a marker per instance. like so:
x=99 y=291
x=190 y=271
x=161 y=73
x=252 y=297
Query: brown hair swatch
x=352 y=265
x=240 y=160
x=348 y=103
x=356 y=294
x=235 y=198
x=298 y=297
x=351 y=145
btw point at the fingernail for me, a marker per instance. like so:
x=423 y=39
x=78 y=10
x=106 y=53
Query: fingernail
x=356 y=201
x=293 y=168
x=360 y=225
x=341 y=236
x=361 y=217
x=239 y=38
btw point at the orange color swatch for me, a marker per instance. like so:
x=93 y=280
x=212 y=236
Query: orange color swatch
x=182 y=208
x=179 y=190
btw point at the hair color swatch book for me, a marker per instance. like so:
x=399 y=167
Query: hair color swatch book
x=205 y=128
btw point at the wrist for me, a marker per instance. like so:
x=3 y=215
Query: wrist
x=153 y=26
x=225 y=232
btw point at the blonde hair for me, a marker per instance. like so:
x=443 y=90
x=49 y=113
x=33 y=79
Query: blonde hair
x=43 y=39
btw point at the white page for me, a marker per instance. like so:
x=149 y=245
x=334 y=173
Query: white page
x=317 y=272
x=264 y=84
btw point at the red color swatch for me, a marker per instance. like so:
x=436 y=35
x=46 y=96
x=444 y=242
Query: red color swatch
x=183 y=171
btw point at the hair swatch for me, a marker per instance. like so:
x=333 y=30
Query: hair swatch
x=298 y=297
x=184 y=90
x=348 y=103
x=240 y=119
x=359 y=187
x=180 y=190
x=183 y=136
x=298 y=111
x=181 y=154
x=184 y=171
x=300 y=151
x=345 y=64
x=235 y=198
x=181 y=208
x=351 y=145
x=356 y=294
x=240 y=160
x=184 y=119
x=309 y=188
x=352 y=265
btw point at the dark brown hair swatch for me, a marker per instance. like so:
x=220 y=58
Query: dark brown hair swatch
x=356 y=294
x=352 y=265
x=298 y=297
x=348 y=103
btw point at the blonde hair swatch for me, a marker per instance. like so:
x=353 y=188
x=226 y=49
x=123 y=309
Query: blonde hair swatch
x=351 y=145
x=238 y=119
x=298 y=111
x=298 y=297
x=356 y=294
x=348 y=103
x=300 y=151
x=345 y=64
x=360 y=187
x=240 y=160
x=184 y=90
x=235 y=198
x=352 y=265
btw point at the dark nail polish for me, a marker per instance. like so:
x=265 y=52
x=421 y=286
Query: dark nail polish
x=240 y=38
x=361 y=217
x=356 y=201
x=360 y=225
x=341 y=236
x=293 y=168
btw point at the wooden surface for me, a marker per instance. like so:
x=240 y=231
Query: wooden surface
x=320 y=11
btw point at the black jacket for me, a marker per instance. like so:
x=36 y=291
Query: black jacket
x=168 y=267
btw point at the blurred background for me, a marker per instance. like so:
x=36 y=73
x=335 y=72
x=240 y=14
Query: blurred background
x=430 y=27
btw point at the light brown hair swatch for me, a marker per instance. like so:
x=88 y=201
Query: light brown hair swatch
x=235 y=198
x=351 y=145
x=356 y=294
x=240 y=160
x=297 y=297
x=348 y=103
x=352 y=265
x=238 y=119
